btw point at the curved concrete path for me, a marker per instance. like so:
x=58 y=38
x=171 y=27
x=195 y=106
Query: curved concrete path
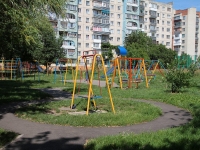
x=38 y=136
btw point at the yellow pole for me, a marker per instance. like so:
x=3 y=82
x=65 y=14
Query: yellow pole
x=109 y=92
x=145 y=73
x=74 y=88
x=153 y=71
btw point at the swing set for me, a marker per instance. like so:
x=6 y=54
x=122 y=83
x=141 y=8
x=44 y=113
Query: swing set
x=95 y=58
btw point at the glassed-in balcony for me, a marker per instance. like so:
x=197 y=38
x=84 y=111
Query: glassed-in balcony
x=177 y=24
x=153 y=7
x=68 y=44
x=153 y=28
x=71 y=17
x=132 y=16
x=105 y=39
x=152 y=22
x=177 y=42
x=152 y=14
x=100 y=30
x=101 y=13
x=97 y=45
x=132 y=3
x=141 y=13
x=177 y=36
x=141 y=19
x=153 y=38
x=101 y=5
x=132 y=9
x=132 y=25
x=178 y=17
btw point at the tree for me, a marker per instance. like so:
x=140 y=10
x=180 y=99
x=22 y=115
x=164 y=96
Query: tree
x=139 y=44
x=19 y=25
x=107 y=50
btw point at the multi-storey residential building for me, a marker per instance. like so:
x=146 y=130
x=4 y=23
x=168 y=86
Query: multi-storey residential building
x=158 y=21
x=131 y=17
x=67 y=28
x=93 y=24
x=116 y=22
x=186 y=37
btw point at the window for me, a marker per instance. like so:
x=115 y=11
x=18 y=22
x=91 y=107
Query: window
x=146 y=12
x=79 y=36
x=118 y=31
x=111 y=15
x=111 y=38
x=87 y=20
x=157 y=35
x=111 y=31
x=118 y=16
x=87 y=11
x=79 y=45
x=87 y=45
x=183 y=47
x=157 y=28
x=183 y=23
x=96 y=45
x=118 y=39
x=158 y=14
x=111 y=23
x=163 y=8
x=87 y=28
x=79 y=1
x=72 y=7
x=183 y=17
x=119 y=7
x=79 y=53
x=167 y=43
x=163 y=29
x=168 y=16
x=163 y=22
x=87 y=37
x=168 y=36
x=168 y=23
x=79 y=10
x=183 y=35
x=183 y=29
x=169 y=9
x=183 y=41
x=162 y=35
x=112 y=7
x=79 y=27
x=118 y=24
x=163 y=15
x=87 y=3
x=79 y=19
x=168 y=29
x=157 y=21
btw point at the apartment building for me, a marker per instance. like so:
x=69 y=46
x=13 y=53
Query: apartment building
x=158 y=18
x=93 y=25
x=186 y=37
x=116 y=22
x=67 y=28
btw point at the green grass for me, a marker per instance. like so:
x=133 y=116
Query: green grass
x=186 y=137
x=128 y=112
x=6 y=137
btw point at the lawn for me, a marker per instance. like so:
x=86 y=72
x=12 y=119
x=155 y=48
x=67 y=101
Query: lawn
x=6 y=137
x=184 y=137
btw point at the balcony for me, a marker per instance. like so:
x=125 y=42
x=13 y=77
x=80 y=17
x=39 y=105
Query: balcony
x=105 y=40
x=101 y=5
x=141 y=13
x=68 y=44
x=152 y=14
x=178 y=36
x=177 y=49
x=177 y=25
x=97 y=40
x=141 y=20
x=153 y=38
x=177 y=43
x=135 y=4
x=153 y=8
x=178 y=18
x=153 y=23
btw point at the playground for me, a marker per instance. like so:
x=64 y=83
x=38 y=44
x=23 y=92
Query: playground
x=72 y=105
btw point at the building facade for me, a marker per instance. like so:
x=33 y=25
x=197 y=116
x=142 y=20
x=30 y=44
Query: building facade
x=158 y=18
x=186 y=37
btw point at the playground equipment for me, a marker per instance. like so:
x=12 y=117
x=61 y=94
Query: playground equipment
x=90 y=76
x=153 y=66
x=10 y=69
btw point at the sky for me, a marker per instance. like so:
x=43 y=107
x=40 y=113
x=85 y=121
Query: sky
x=183 y=4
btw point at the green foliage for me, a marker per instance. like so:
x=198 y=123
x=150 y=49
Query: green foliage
x=6 y=137
x=139 y=44
x=178 y=77
x=107 y=50
x=20 y=25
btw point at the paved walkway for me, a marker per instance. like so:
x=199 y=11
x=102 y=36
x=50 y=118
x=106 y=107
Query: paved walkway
x=38 y=136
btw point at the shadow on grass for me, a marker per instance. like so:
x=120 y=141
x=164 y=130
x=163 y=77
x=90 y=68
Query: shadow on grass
x=44 y=141
x=6 y=137
x=15 y=91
